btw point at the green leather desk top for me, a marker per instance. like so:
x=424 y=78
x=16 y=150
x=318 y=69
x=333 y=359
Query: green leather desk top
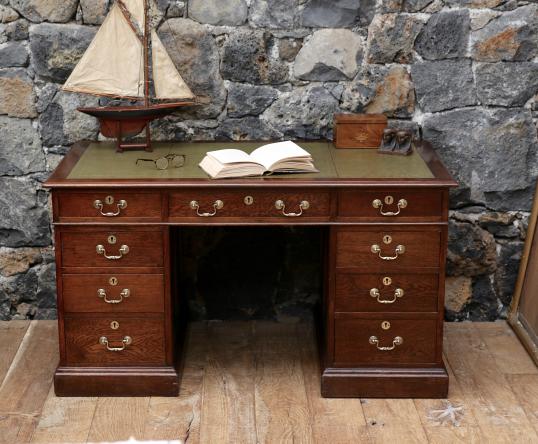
x=101 y=161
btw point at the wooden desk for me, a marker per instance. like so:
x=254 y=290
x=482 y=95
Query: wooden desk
x=122 y=315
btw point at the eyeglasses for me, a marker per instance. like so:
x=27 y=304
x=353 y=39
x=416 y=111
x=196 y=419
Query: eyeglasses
x=162 y=163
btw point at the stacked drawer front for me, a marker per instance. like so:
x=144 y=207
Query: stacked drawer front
x=387 y=281
x=112 y=280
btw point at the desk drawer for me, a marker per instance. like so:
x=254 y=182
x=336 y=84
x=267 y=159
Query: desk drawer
x=113 y=293
x=108 y=206
x=136 y=341
x=376 y=292
x=120 y=248
x=214 y=205
x=386 y=250
x=392 y=205
x=367 y=342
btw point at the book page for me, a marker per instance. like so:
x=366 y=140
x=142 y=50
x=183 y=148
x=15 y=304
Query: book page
x=269 y=155
x=230 y=156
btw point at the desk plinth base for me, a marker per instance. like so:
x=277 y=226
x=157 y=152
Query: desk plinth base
x=384 y=382
x=116 y=381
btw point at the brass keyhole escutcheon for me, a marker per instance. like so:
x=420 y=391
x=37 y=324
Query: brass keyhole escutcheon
x=113 y=281
x=387 y=281
x=114 y=325
x=112 y=239
x=109 y=200
x=249 y=200
x=389 y=200
x=387 y=239
x=385 y=325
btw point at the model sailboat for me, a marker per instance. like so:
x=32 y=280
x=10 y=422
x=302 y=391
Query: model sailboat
x=127 y=60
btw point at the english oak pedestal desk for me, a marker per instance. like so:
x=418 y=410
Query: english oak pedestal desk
x=122 y=315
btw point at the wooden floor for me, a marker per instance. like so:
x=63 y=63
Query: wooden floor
x=258 y=382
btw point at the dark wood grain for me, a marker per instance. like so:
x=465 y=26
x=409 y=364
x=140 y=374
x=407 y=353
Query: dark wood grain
x=83 y=347
x=79 y=248
x=80 y=293
x=353 y=248
x=352 y=345
x=142 y=206
x=420 y=292
x=422 y=205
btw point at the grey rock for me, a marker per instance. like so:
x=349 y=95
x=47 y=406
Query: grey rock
x=176 y=8
x=60 y=11
x=45 y=96
x=17 y=30
x=474 y=3
x=367 y=11
x=381 y=89
x=404 y=5
x=20 y=147
x=471 y=250
x=508 y=260
x=215 y=12
x=444 y=84
x=335 y=14
x=501 y=225
x=305 y=113
x=391 y=38
x=244 y=99
x=195 y=54
x=484 y=305
x=46 y=286
x=7 y=14
x=473 y=144
x=513 y=36
x=62 y=124
x=26 y=222
x=246 y=57
x=280 y=14
x=56 y=49
x=506 y=83
x=248 y=128
x=444 y=36
x=289 y=48
x=13 y=54
x=94 y=11
x=17 y=98
x=329 y=55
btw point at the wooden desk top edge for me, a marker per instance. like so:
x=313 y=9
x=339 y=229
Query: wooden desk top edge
x=59 y=178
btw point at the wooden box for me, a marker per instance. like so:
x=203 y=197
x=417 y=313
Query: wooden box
x=358 y=130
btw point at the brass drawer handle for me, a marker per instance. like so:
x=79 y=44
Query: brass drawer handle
x=121 y=205
x=124 y=249
x=280 y=205
x=127 y=340
x=398 y=340
x=125 y=293
x=376 y=249
x=216 y=206
x=375 y=293
x=377 y=203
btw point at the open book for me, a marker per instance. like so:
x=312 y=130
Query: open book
x=280 y=157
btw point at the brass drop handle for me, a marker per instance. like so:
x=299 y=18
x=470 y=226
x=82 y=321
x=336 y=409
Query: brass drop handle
x=375 y=293
x=303 y=206
x=376 y=249
x=377 y=203
x=127 y=340
x=125 y=293
x=124 y=249
x=121 y=205
x=216 y=206
x=398 y=340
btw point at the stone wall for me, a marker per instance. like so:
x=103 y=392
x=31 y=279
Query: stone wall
x=466 y=70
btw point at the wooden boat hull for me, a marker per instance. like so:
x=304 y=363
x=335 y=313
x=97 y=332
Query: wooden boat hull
x=127 y=121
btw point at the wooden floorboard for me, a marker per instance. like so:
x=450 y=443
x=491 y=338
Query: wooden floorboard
x=258 y=382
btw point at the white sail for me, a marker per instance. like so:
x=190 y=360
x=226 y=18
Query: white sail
x=136 y=9
x=113 y=64
x=167 y=81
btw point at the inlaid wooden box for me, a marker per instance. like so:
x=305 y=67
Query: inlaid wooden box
x=358 y=130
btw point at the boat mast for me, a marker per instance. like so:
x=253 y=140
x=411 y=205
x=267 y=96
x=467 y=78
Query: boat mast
x=146 y=52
